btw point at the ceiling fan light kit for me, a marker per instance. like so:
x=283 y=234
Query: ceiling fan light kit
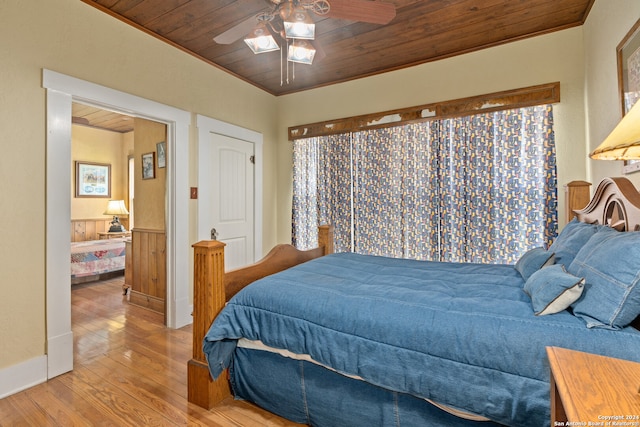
x=260 y=40
x=292 y=22
x=299 y=25
x=301 y=51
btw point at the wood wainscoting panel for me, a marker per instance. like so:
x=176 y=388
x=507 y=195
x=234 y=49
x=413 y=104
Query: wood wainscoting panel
x=149 y=269
x=88 y=229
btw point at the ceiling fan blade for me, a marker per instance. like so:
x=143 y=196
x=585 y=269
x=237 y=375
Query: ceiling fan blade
x=375 y=12
x=237 y=32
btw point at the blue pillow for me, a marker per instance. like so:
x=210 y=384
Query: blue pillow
x=610 y=264
x=571 y=239
x=552 y=289
x=533 y=260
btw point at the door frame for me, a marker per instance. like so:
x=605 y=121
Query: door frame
x=61 y=91
x=206 y=126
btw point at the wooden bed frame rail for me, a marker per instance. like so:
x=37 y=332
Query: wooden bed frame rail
x=212 y=288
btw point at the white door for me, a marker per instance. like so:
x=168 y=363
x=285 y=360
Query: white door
x=232 y=188
x=226 y=199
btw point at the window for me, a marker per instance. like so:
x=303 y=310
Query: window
x=480 y=188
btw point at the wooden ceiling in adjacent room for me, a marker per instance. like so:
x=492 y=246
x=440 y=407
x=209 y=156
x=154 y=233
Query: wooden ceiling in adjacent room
x=86 y=115
x=421 y=31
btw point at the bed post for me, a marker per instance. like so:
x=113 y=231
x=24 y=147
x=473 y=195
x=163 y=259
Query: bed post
x=325 y=238
x=212 y=286
x=578 y=195
x=208 y=300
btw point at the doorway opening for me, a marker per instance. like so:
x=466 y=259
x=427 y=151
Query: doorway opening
x=114 y=141
x=62 y=90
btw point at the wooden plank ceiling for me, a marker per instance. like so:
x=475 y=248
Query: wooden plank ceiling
x=422 y=31
x=86 y=115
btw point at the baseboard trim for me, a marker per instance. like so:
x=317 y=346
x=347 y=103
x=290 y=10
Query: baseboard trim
x=184 y=315
x=149 y=302
x=22 y=376
x=60 y=354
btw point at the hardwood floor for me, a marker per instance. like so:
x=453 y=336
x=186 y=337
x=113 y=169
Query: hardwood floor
x=128 y=370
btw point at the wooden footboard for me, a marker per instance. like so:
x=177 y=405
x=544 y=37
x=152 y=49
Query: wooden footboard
x=212 y=288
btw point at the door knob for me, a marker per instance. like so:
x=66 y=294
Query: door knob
x=214 y=234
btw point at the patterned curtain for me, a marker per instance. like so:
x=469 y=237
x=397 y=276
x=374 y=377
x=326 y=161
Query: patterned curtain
x=378 y=188
x=469 y=189
x=322 y=189
x=395 y=205
x=421 y=211
x=335 y=189
x=304 y=234
x=498 y=185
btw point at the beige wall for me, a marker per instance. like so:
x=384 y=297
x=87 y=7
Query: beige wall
x=98 y=146
x=150 y=194
x=76 y=39
x=554 y=57
x=608 y=23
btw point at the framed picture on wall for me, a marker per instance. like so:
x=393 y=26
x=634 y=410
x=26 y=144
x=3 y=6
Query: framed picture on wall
x=93 y=179
x=161 y=149
x=628 y=55
x=149 y=166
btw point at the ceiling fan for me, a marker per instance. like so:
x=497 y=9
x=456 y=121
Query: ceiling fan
x=291 y=21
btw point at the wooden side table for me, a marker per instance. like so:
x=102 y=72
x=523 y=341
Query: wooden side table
x=592 y=389
x=112 y=235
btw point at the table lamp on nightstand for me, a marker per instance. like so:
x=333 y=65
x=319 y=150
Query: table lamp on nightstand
x=115 y=208
x=623 y=143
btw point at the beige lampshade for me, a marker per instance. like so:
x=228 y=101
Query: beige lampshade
x=623 y=143
x=116 y=207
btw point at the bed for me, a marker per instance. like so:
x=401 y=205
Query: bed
x=348 y=339
x=93 y=259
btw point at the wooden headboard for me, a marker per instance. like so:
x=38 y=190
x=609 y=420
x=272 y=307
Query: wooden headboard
x=616 y=203
x=88 y=229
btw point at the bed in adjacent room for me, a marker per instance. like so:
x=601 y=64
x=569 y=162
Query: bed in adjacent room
x=349 y=339
x=93 y=259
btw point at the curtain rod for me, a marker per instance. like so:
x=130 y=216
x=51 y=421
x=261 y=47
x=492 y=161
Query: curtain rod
x=548 y=93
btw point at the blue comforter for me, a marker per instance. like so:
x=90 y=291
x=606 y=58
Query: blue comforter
x=463 y=335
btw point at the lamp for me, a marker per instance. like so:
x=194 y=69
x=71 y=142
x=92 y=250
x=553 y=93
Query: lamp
x=301 y=51
x=115 y=208
x=299 y=25
x=260 y=39
x=623 y=143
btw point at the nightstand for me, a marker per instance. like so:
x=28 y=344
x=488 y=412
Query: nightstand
x=592 y=389
x=113 y=235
